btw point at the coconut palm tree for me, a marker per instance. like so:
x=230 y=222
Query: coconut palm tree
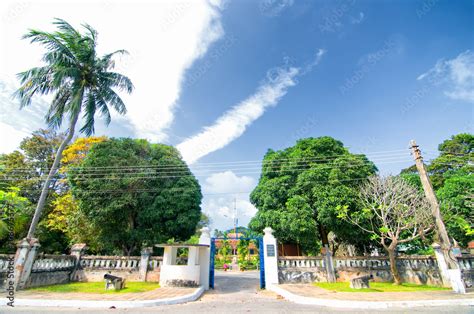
x=78 y=79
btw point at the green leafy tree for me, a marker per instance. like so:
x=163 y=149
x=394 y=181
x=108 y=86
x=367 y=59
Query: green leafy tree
x=243 y=253
x=457 y=205
x=456 y=154
x=79 y=80
x=125 y=191
x=25 y=169
x=66 y=218
x=301 y=187
x=225 y=251
x=14 y=213
x=218 y=233
x=393 y=213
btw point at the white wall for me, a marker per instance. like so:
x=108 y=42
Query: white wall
x=179 y=272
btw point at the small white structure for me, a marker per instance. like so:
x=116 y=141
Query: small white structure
x=188 y=274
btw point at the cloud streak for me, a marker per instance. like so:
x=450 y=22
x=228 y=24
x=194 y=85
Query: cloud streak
x=233 y=123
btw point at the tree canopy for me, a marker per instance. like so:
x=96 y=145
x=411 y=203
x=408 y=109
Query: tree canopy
x=125 y=190
x=14 y=216
x=301 y=186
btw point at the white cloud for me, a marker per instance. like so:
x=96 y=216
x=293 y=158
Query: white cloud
x=457 y=75
x=220 y=192
x=15 y=125
x=11 y=138
x=163 y=38
x=227 y=181
x=234 y=122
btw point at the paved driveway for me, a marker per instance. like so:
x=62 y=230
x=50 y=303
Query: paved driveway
x=235 y=293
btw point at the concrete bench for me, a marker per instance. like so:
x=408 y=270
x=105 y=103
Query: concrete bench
x=361 y=282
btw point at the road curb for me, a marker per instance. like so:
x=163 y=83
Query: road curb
x=107 y=304
x=366 y=304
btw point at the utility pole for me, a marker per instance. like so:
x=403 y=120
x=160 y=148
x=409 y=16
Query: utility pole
x=235 y=217
x=445 y=243
x=447 y=263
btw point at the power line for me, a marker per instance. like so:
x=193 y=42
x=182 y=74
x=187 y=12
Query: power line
x=210 y=166
x=189 y=189
x=213 y=164
x=177 y=174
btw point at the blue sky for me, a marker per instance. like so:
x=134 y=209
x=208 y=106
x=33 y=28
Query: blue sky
x=245 y=76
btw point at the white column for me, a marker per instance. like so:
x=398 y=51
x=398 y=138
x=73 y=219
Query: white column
x=205 y=257
x=169 y=255
x=193 y=256
x=442 y=265
x=270 y=251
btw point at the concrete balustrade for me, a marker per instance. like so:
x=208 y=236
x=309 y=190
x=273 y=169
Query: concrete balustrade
x=415 y=269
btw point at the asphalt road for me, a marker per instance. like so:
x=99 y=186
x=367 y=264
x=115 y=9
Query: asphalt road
x=236 y=293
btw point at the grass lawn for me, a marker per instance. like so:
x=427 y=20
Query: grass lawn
x=377 y=287
x=97 y=287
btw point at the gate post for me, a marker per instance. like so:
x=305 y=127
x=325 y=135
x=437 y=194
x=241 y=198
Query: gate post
x=328 y=263
x=204 y=257
x=270 y=257
x=24 y=259
x=144 y=259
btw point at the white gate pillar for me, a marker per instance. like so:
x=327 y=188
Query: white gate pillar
x=270 y=251
x=205 y=257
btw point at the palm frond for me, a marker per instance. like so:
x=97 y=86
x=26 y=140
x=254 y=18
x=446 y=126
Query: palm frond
x=90 y=108
x=114 y=100
x=113 y=79
x=55 y=114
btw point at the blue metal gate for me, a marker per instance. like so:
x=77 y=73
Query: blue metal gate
x=211 y=266
x=262 y=264
x=260 y=254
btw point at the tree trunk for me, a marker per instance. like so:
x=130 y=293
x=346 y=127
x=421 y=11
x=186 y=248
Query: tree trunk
x=52 y=172
x=393 y=264
x=324 y=235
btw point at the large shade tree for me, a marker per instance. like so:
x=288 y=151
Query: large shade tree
x=78 y=79
x=300 y=188
x=136 y=194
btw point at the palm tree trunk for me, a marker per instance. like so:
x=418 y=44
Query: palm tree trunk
x=52 y=172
